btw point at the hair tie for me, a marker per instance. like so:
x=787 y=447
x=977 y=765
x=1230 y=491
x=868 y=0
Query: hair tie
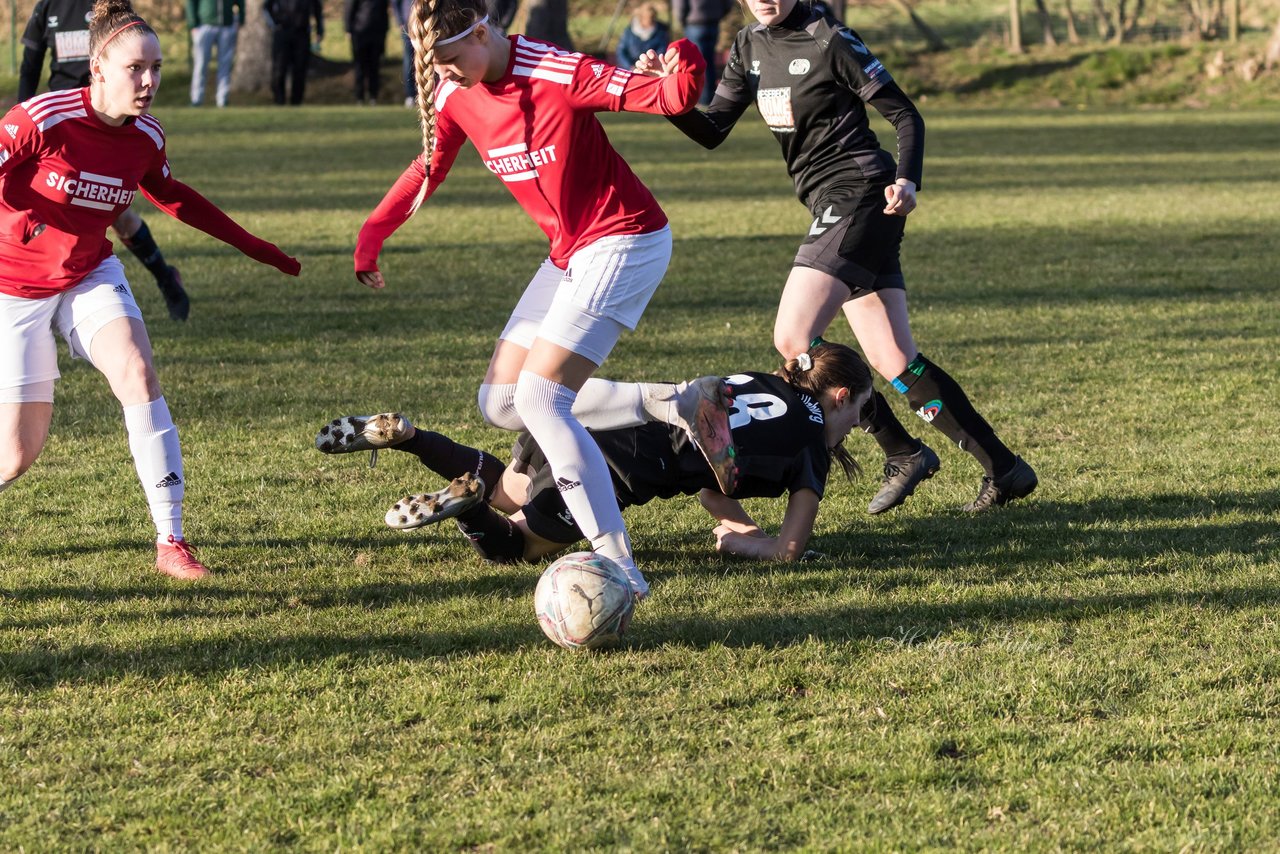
x=816 y=342
x=107 y=40
x=464 y=33
x=805 y=362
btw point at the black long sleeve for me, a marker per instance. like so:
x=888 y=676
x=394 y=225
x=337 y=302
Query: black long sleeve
x=892 y=103
x=710 y=127
x=29 y=73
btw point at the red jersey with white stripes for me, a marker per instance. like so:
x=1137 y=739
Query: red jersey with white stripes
x=65 y=175
x=536 y=130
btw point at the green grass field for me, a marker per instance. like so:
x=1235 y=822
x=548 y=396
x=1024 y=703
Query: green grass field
x=1095 y=666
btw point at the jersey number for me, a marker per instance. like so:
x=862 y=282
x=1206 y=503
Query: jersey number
x=755 y=406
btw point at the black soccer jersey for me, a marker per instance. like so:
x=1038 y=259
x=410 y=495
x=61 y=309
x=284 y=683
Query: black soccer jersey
x=811 y=78
x=779 y=433
x=63 y=27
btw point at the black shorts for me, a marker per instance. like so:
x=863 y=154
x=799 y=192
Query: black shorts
x=852 y=239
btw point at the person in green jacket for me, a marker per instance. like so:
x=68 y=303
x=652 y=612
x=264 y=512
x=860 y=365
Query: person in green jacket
x=214 y=25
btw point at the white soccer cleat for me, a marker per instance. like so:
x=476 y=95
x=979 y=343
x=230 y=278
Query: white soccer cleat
x=414 y=511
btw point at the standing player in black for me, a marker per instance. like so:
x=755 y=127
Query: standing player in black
x=786 y=428
x=63 y=27
x=811 y=79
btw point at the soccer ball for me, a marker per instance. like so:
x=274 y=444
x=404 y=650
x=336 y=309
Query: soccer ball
x=583 y=601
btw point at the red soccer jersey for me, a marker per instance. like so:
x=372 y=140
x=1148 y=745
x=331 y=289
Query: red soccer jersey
x=536 y=130
x=65 y=175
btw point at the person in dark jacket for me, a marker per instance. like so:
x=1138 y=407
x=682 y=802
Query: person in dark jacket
x=645 y=32
x=367 y=22
x=700 y=21
x=290 y=23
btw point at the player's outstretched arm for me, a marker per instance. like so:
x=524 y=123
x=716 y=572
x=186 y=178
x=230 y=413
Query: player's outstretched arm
x=797 y=525
x=186 y=205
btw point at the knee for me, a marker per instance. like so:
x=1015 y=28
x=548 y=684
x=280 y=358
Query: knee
x=14 y=462
x=498 y=406
x=134 y=381
x=788 y=344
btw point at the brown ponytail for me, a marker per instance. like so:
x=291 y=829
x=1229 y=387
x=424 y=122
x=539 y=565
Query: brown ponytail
x=824 y=367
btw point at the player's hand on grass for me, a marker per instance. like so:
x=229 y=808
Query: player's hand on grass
x=900 y=197
x=371 y=279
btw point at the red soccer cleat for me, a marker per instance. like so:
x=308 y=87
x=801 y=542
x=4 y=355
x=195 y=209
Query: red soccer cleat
x=178 y=560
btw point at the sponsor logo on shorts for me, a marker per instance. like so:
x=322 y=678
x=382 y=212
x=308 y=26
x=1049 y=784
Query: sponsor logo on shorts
x=120 y=289
x=930 y=410
x=566 y=517
x=823 y=222
x=798 y=67
x=171 y=479
x=564 y=484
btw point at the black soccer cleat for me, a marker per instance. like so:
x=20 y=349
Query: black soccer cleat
x=902 y=474
x=175 y=296
x=1018 y=482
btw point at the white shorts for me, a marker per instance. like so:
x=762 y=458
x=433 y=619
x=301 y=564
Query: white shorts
x=28 y=348
x=584 y=308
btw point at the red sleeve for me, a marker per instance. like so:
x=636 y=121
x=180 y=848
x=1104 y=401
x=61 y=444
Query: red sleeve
x=407 y=195
x=186 y=205
x=18 y=140
x=604 y=87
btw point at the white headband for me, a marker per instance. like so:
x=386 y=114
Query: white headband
x=464 y=33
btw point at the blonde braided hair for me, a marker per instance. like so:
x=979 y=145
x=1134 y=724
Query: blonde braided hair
x=430 y=20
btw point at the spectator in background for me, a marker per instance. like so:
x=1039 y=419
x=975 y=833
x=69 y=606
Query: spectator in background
x=213 y=23
x=401 y=8
x=290 y=23
x=367 y=22
x=645 y=32
x=700 y=21
x=63 y=27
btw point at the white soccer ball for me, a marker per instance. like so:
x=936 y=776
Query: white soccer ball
x=583 y=601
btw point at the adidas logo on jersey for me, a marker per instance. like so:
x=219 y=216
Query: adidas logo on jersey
x=564 y=484
x=13 y=130
x=171 y=479
x=597 y=69
x=120 y=289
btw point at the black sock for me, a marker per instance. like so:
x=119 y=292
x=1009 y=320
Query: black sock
x=143 y=245
x=493 y=535
x=887 y=430
x=449 y=459
x=938 y=399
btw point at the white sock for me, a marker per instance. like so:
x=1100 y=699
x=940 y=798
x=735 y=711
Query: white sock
x=581 y=473
x=5 y=484
x=609 y=405
x=157 y=456
x=498 y=406
x=616 y=546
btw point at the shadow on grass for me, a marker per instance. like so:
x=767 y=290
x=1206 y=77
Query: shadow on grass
x=1130 y=532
